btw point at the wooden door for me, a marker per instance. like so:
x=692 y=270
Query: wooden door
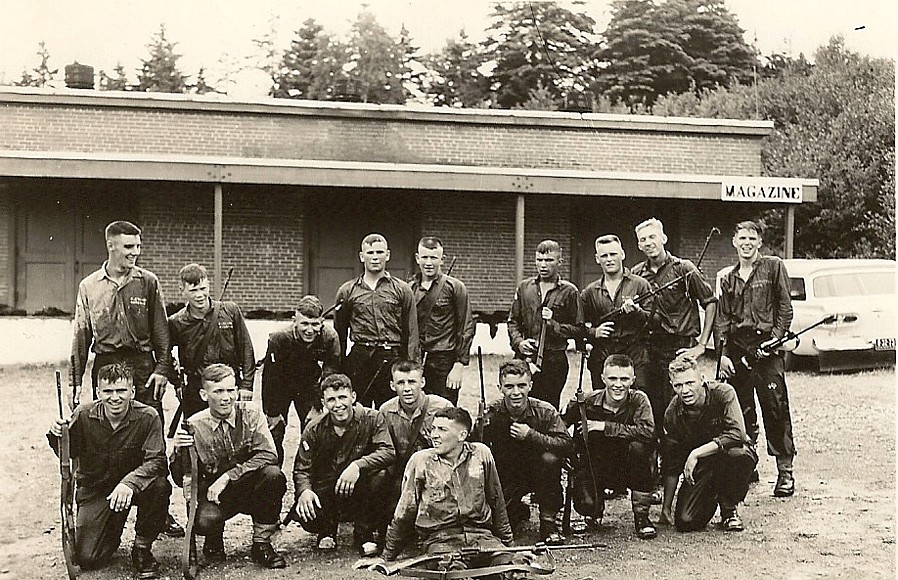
x=45 y=272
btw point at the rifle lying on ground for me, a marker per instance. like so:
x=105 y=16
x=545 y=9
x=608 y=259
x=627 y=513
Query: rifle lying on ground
x=768 y=347
x=411 y=567
x=67 y=491
x=639 y=299
x=583 y=428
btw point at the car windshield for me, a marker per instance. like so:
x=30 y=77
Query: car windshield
x=854 y=284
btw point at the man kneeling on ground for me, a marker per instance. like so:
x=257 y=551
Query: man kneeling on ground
x=121 y=463
x=621 y=441
x=340 y=468
x=237 y=468
x=705 y=440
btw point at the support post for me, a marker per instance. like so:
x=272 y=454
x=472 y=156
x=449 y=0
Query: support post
x=217 y=253
x=789 y=233
x=519 y=240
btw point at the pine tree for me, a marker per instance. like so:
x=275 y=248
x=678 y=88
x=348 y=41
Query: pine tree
x=374 y=68
x=117 y=83
x=159 y=73
x=453 y=79
x=42 y=74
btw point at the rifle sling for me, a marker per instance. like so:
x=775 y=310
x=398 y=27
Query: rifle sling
x=426 y=304
x=211 y=330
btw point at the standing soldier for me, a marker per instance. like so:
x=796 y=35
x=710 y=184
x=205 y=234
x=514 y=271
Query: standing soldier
x=675 y=322
x=120 y=315
x=545 y=306
x=206 y=332
x=614 y=292
x=445 y=322
x=378 y=312
x=755 y=306
x=297 y=359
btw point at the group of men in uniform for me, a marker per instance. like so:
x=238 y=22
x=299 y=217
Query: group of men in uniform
x=382 y=441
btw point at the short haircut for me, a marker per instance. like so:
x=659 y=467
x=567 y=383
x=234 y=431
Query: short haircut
x=751 y=226
x=514 y=367
x=372 y=239
x=336 y=382
x=549 y=247
x=406 y=366
x=115 y=372
x=431 y=242
x=456 y=415
x=681 y=364
x=618 y=360
x=651 y=222
x=121 y=227
x=309 y=306
x=193 y=273
x=215 y=373
x=608 y=239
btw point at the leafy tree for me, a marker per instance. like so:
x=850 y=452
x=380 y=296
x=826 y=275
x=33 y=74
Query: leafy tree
x=453 y=79
x=117 y=83
x=375 y=66
x=835 y=123
x=654 y=49
x=159 y=73
x=42 y=74
x=518 y=40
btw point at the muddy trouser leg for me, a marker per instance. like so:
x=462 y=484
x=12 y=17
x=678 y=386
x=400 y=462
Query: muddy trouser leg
x=607 y=456
x=98 y=530
x=436 y=371
x=744 y=384
x=638 y=469
x=328 y=517
x=773 y=397
x=277 y=434
x=721 y=479
x=549 y=382
x=366 y=503
x=258 y=494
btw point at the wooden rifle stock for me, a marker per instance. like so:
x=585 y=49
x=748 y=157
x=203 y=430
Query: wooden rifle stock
x=67 y=491
x=481 y=408
x=191 y=484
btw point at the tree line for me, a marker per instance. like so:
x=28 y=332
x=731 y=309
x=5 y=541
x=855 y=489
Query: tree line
x=834 y=118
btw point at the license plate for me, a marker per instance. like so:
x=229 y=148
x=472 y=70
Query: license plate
x=884 y=344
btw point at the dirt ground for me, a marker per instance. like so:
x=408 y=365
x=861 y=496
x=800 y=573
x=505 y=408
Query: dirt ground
x=840 y=524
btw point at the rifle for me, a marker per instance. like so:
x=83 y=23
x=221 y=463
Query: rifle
x=639 y=299
x=409 y=567
x=481 y=408
x=767 y=347
x=190 y=483
x=67 y=491
x=584 y=432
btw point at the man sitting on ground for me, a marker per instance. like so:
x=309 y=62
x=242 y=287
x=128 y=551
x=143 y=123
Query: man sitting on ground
x=621 y=440
x=705 y=440
x=237 y=468
x=121 y=463
x=340 y=468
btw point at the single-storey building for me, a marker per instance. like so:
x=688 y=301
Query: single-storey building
x=283 y=191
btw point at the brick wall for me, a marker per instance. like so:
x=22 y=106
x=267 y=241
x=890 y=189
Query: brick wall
x=443 y=137
x=263 y=231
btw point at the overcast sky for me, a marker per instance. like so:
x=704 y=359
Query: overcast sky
x=104 y=32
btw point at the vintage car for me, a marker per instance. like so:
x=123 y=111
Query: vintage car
x=858 y=295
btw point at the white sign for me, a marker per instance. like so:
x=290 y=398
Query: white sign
x=761 y=189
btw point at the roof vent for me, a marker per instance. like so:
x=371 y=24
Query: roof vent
x=79 y=76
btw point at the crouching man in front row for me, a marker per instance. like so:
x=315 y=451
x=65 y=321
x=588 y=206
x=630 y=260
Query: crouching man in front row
x=237 y=465
x=340 y=468
x=121 y=463
x=705 y=440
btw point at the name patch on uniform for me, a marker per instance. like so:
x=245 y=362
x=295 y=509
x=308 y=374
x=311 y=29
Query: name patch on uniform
x=137 y=301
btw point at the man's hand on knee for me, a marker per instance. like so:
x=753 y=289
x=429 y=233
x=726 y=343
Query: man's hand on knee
x=120 y=498
x=307 y=504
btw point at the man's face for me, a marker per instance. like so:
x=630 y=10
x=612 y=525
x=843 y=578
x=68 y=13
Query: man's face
x=123 y=250
x=747 y=243
x=688 y=386
x=447 y=435
x=430 y=261
x=650 y=240
x=197 y=295
x=221 y=396
x=375 y=257
x=515 y=389
x=547 y=265
x=116 y=396
x=610 y=257
x=618 y=381
x=306 y=328
x=407 y=386
x=338 y=403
